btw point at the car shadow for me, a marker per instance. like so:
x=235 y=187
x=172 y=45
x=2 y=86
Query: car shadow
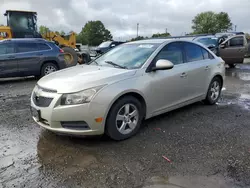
x=17 y=80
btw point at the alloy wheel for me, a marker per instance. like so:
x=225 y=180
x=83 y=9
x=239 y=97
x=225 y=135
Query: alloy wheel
x=127 y=118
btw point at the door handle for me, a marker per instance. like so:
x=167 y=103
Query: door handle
x=183 y=75
x=207 y=67
x=11 y=57
x=39 y=54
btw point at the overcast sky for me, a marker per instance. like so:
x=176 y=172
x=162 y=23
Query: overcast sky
x=121 y=16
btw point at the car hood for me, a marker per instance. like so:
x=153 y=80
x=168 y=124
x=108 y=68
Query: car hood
x=82 y=77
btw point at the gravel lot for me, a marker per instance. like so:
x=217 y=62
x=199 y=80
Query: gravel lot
x=209 y=146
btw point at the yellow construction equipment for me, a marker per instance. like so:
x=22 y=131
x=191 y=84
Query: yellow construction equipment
x=23 y=24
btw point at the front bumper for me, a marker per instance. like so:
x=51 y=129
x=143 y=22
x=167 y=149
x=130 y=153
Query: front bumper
x=54 y=116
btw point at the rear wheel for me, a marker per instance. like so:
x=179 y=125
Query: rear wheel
x=214 y=91
x=70 y=56
x=48 y=68
x=124 y=119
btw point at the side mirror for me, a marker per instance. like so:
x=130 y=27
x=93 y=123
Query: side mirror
x=112 y=45
x=211 y=46
x=223 y=45
x=163 y=64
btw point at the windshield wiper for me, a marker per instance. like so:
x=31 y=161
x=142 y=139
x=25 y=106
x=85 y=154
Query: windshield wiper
x=115 y=65
x=93 y=61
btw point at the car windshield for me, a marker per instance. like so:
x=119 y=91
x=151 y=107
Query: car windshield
x=105 y=44
x=208 y=41
x=130 y=56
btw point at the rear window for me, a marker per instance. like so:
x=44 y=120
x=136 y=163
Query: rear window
x=206 y=54
x=237 y=41
x=42 y=46
x=7 y=48
x=27 y=47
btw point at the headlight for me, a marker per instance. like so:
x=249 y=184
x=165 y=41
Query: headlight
x=81 y=97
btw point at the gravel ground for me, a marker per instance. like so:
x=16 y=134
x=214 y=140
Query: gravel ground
x=208 y=146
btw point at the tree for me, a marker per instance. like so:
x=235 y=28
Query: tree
x=157 y=35
x=43 y=29
x=247 y=36
x=137 y=38
x=62 y=33
x=211 y=22
x=94 y=33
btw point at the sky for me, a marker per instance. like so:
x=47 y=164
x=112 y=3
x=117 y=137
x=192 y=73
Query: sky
x=121 y=16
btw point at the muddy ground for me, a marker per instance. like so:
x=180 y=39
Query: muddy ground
x=209 y=146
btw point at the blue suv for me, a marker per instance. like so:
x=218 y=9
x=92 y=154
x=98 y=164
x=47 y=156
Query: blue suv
x=29 y=57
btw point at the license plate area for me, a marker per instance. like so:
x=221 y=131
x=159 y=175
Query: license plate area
x=35 y=113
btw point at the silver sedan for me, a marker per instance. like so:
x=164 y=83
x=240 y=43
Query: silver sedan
x=130 y=83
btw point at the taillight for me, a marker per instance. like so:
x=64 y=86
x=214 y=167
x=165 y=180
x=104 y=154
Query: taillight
x=61 y=50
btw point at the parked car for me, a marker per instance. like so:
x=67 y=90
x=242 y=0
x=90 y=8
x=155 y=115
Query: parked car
x=231 y=48
x=212 y=42
x=132 y=82
x=106 y=46
x=29 y=57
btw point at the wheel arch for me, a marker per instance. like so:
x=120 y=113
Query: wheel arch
x=220 y=77
x=138 y=95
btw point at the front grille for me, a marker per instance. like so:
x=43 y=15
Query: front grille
x=41 y=101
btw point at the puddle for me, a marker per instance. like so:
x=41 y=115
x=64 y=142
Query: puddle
x=189 y=182
x=245 y=76
x=62 y=156
x=242 y=100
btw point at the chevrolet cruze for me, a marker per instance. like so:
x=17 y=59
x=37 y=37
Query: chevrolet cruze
x=130 y=83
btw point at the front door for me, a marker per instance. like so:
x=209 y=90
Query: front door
x=233 y=50
x=167 y=87
x=8 y=62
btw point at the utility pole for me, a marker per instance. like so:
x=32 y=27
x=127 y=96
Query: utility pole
x=137 y=30
x=235 y=27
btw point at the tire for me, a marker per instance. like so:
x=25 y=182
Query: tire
x=131 y=122
x=48 y=66
x=231 y=65
x=213 y=94
x=70 y=56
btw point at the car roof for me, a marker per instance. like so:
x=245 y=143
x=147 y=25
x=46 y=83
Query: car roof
x=151 y=41
x=203 y=37
x=25 y=40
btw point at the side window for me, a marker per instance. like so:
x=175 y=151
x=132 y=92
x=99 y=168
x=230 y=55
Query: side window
x=236 y=41
x=7 y=49
x=171 y=52
x=27 y=47
x=193 y=52
x=42 y=46
x=206 y=54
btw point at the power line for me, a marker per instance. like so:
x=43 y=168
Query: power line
x=137 y=30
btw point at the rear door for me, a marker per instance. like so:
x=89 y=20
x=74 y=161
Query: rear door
x=198 y=67
x=8 y=62
x=234 y=50
x=28 y=58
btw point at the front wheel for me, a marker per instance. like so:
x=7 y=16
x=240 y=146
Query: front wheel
x=124 y=119
x=214 y=91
